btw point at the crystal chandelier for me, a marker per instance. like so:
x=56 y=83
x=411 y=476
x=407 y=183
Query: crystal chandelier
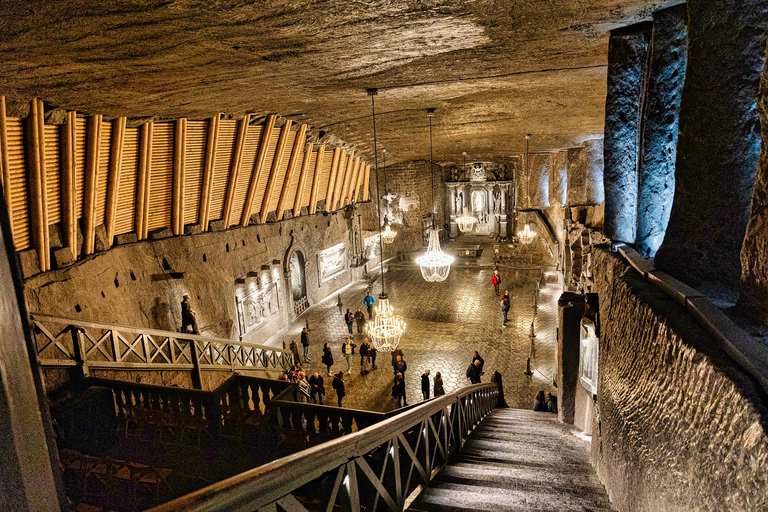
x=388 y=235
x=527 y=235
x=435 y=265
x=466 y=222
x=386 y=329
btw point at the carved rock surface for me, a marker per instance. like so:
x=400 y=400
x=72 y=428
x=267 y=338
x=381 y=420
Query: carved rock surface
x=585 y=174
x=558 y=180
x=537 y=182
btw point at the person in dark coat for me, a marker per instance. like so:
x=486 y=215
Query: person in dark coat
x=439 y=390
x=373 y=352
x=398 y=390
x=188 y=317
x=360 y=319
x=349 y=318
x=425 y=384
x=551 y=402
x=338 y=385
x=327 y=358
x=305 y=343
x=473 y=373
x=295 y=352
x=365 y=352
x=540 y=402
x=400 y=365
x=316 y=388
x=504 y=308
x=397 y=352
x=476 y=357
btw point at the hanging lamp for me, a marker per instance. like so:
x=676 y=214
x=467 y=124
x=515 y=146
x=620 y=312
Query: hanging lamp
x=386 y=329
x=389 y=234
x=527 y=235
x=435 y=265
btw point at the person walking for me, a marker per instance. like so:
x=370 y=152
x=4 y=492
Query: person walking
x=373 y=351
x=364 y=356
x=439 y=390
x=349 y=318
x=338 y=385
x=305 y=343
x=295 y=351
x=476 y=357
x=473 y=372
x=504 y=308
x=398 y=390
x=316 y=388
x=360 y=319
x=348 y=349
x=400 y=365
x=425 y=384
x=327 y=358
x=495 y=281
x=369 y=302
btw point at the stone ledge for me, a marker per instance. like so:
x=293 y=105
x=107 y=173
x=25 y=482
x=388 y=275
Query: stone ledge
x=672 y=287
x=640 y=264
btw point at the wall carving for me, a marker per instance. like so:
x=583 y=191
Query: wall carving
x=258 y=305
x=331 y=262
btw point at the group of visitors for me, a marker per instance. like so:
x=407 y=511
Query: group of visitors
x=475 y=368
x=545 y=404
x=505 y=298
x=358 y=317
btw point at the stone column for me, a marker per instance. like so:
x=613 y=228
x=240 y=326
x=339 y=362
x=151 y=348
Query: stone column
x=570 y=310
x=585 y=174
x=454 y=229
x=627 y=57
x=656 y=187
x=558 y=179
x=718 y=145
x=539 y=167
x=503 y=226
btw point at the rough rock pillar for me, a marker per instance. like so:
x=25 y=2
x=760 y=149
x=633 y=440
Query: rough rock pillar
x=585 y=174
x=718 y=145
x=558 y=179
x=570 y=310
x=656 y=186
x=627 y=60
x=539 y=167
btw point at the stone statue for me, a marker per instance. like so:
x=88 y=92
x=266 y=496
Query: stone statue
x=454 y=174
x=497 y=201
x=188 y=318
x=459 y=202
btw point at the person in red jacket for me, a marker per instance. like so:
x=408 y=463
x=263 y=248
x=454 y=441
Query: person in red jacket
x=495 y=280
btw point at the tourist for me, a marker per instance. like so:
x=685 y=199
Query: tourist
x=316 y=388
x=540 y=402
x=551 y=402
x=476 y=357
x=425 y=384
x=338 y=385
x=305 y=343
x=188 y=317
x=495 y=280
x=295 y=351
x=400 y=365
x=473 y=372
x=397 y=352
x=303 y=389
x=504 y=308
x=349 y=318
x=369 y=302
x=398 y=390
x=364 y=356
x=327 y=358
x=496 y=379
x=360 y=318
x=348 y=349
x=439 y=390
x=373 y=352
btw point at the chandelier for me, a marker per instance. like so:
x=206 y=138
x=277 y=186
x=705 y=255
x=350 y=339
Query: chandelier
x=466 y=222
x=388 y=235
x=435 y=265
x=527 y=235
x=386 y=329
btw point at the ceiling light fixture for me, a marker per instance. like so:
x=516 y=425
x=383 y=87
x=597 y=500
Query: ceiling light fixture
x=389 y=234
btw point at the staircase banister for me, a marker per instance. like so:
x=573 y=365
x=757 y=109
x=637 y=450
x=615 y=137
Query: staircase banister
x=142 y=330
x=259 y=487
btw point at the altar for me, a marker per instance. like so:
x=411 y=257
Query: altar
x=485 y=194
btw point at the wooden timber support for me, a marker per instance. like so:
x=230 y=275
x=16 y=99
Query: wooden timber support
x=335 y=162
x=258 y=171
x=37 y=183
x=209 y=165
x=266 y=205
x=115 y=169
x=179 y=170
x=234 y=168
x=298 y=145
x=319 y=160
x=142 y=183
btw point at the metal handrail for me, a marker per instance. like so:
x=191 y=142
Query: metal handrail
x=424 y=438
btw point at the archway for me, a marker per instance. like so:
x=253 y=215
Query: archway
x=298 y=282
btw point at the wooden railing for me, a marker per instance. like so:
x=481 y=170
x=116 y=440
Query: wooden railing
x=62 y=342
x=379 y=466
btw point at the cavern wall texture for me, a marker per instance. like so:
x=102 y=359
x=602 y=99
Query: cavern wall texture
x=537 y=181
x=658 y=149
x=678 y=426
x=585 y=174
x=558 y=180
x=719 y=143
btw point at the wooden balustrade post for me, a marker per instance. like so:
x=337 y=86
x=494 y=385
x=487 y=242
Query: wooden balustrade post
x=197 y=377
x=80 y=353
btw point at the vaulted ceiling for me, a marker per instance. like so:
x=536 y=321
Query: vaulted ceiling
x=494 y=69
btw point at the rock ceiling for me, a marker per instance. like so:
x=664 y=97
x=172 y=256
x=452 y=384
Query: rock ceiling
x=494 y=69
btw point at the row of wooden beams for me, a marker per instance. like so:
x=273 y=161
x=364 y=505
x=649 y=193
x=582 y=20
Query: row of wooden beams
x=261 y=157
x=142 y=183
x=5 y=165
x=302 y=185
x=298 y=145
x=266 y=204
x=38 y=190
x=68 y=193
x=208 y=167
x=234 y=168
x=179 y=171
x=319 y=160
x=115 y=168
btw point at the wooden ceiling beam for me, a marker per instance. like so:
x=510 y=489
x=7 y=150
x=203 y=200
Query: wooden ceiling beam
x=366 y=182
x=332 y=177
x=142 y=183
x=115 y=170
x=298 y=145
x=93 y=144
x=266 y=203
x=319 y=160
x=68 y=194
x=208 y=168
x=302 y=184
x=261 y=156
x=36 y=176
x=344 y=178
x=179 y=171
x=234 y=168
x=358 y=182
x=353 y=181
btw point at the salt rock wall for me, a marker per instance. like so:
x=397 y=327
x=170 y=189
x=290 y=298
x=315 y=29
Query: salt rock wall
x=678 y=426
x=537 y=183
x=585 y=174
x=558 y=181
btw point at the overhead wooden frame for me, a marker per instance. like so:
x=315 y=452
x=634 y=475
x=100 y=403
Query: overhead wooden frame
x=348 y=197
x=332 y=177
x=366 y=182
x=344 y=169
x=68 y=193
x=93 y=143
x=266 y=204
x=208 y=167
x=298 y=145
x=113 y=182
x=359 y=181
x=348 y=181
x=258 y=170
x=234 y=168
x=179 y=170
x=302 y=184
x=36 y=176
x=319 y=161
x=142 y=185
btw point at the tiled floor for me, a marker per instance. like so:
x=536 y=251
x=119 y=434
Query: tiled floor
x=446 y=322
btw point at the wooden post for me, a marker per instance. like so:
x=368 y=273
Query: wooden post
x=142 y=185
x=261 y=156
x=91 y=182
x=5 y=166
x=179 y=168
x=366 y=182
x=197 y=376
x=266 y=205
x=298 y=144
x=68 y=195
x=319 y=160
x=351 y=167
x=81 y=355
x=36 y=178
x=348 y=197
x=358 y=182
x=332 y=177
x=115 y=167
x=234 y=169
x=302 y=185
x=210 y=163
x=344 y=169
